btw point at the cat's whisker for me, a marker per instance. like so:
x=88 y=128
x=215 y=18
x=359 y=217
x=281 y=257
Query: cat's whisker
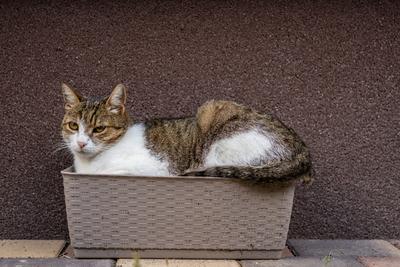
x=60 y=147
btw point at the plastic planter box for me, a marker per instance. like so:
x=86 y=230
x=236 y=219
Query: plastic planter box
x=175 y=217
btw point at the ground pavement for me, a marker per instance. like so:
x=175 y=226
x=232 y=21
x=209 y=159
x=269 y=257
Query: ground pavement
x=299 y=253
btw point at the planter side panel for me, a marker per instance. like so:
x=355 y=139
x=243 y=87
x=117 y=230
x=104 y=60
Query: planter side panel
x=159 y=213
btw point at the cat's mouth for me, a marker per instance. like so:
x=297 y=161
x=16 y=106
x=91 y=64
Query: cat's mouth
x=86 y=153
x=83 y=152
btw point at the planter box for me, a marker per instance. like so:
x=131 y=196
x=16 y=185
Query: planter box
x=175 y=217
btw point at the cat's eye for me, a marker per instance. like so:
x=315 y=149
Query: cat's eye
x=99 y=129
x=73 y=126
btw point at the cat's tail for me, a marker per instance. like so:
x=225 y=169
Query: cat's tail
x=298 y=167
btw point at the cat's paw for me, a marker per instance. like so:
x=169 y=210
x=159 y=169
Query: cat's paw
x=113 y=172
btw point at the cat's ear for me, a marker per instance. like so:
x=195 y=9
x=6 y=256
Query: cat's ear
x=71 y=96
x=116 y=101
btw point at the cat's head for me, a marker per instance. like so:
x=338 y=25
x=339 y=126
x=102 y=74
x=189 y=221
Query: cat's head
x=91 y=126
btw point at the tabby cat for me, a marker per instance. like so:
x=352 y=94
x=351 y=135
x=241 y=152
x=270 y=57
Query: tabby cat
x=224 y=139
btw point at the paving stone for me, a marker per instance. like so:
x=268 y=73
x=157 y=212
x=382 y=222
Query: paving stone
x=287 y=253
x=178 y=263
x=395 y=242
x=380 y=261
x=68 y=253
x=56 y=263
x=340 y=248
x=304 y=262
x=31 y=248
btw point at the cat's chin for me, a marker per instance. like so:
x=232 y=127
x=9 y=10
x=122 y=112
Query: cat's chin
x=85 y=154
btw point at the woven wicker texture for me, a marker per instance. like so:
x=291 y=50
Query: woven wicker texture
x=175 y=213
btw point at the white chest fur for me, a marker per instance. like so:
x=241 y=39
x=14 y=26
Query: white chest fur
x=128 y=156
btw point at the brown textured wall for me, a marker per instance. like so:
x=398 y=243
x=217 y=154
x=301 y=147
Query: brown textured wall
x=331 y=71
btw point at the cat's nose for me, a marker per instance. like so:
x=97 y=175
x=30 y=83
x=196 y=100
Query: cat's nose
x=82 y=144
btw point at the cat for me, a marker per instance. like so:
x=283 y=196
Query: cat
x=224 y=139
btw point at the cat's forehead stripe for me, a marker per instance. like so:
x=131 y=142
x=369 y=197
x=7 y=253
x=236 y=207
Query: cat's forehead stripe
x=94 y=113
x=90 y=111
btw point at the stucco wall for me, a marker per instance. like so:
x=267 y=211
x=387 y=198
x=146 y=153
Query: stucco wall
x=330 y=71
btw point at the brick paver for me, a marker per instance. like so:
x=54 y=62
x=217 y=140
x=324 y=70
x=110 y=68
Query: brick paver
x=340 y=248
x=56 y=263
x=395 y=242
x=304 y=262
x=380 y=261
x=178 y=263
x=30 y=248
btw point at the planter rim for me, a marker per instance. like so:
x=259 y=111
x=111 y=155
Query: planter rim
x=70 y=171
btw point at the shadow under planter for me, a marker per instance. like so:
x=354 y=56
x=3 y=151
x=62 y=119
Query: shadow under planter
x=117 y=216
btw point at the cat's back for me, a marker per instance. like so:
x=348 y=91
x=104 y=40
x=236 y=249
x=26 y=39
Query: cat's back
x=175 y=140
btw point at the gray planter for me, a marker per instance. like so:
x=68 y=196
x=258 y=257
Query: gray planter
x=175 y=217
